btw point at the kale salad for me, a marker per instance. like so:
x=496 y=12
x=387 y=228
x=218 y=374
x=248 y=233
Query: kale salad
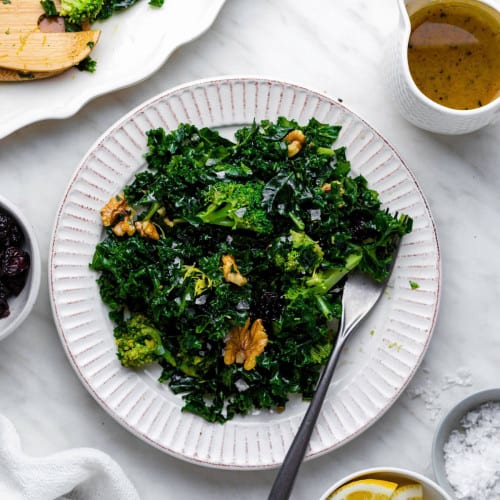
x=224 y=260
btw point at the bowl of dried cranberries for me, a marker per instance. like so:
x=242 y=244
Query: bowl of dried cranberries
x=19 y=267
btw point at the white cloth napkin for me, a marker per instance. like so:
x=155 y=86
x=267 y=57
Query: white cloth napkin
x=77 y=474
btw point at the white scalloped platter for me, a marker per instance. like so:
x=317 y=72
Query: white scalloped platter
x=133 y=45
x=375 y=366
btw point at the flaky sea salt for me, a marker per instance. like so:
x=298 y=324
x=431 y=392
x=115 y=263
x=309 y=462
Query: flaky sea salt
x=463 y=378
x=430 y=392
x=472 y=454
x=427 y=391
x=241 y=385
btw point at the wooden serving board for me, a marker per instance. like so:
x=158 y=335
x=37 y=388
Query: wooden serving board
x=25 y=50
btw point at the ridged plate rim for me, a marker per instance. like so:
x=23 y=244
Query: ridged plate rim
x=375 y=367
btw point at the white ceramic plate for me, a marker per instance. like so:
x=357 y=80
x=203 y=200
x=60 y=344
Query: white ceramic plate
x=375 y=367
x=133 y=45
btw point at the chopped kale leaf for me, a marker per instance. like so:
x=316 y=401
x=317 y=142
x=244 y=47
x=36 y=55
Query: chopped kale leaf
x=231 y=268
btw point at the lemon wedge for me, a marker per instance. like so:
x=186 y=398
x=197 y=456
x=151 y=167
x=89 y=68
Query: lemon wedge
x=409 y=492
x=365 y=489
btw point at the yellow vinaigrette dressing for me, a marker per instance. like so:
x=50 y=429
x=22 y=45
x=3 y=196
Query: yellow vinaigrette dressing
x=454 y=53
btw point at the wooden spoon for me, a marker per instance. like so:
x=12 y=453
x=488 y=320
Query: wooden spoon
x=26 y=50
x=10 y=75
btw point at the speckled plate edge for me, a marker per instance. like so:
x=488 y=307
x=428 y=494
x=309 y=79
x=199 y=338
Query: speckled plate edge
x=375 y=367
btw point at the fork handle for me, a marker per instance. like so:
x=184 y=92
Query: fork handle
x=285 y=479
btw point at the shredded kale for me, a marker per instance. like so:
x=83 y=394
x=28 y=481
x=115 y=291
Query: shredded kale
x=250 y=241
x=87 y=64
x=109 y=7
x=49 y=7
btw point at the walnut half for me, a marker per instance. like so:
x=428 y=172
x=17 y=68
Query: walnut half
x=245 y=343
x=147 y=229
x=118 y=214
x=116 y=209
x=295 y=140
x=231 y=271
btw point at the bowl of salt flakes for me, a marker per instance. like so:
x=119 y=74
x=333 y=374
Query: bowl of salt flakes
x=466 y=448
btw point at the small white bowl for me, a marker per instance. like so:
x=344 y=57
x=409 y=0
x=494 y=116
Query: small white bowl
x=450 y=422
x=21 y=305
x=432 y=491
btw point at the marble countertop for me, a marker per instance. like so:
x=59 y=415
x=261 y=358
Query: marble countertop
x=337 y=48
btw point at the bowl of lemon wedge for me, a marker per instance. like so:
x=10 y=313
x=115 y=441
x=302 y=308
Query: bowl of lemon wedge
x=385 y=483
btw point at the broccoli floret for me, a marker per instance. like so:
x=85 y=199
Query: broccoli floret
x=322 y=281
x=299 y=253
x=80 y=11
x=235 y=205
x=139 y=342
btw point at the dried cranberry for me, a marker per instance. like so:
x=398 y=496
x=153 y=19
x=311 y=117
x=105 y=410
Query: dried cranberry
x=16 y=236
x=4 y=306
x=361 y=229
x=5 y=224
x=10 y=232
x=14 y=261
x=268 y=306
x=15 y=284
